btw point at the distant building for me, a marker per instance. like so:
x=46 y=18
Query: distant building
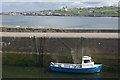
x=119 y=4
x=96 y=11
x=78 y=11
x=85 y=11
x=64 y=8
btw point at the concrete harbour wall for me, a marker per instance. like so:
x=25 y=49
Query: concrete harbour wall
x=32 y=49
x=96 y=46
x=25 y=50
x=64 y=30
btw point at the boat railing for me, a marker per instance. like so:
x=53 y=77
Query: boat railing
x=66 y=65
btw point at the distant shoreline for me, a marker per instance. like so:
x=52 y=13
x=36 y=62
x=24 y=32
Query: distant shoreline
x=109 y=11
x=64 y=16
x=56 y=30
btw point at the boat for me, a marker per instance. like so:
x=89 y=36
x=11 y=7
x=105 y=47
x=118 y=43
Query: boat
x=87 y=66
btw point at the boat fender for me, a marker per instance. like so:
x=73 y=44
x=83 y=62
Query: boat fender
x=56 y=65
x=72 y=66
x=62 y=65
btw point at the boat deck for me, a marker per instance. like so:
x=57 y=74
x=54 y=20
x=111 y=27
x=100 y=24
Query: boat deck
x=66 y=65
x=75 y=66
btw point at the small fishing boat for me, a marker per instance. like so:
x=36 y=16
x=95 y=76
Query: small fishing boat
x=87 y=66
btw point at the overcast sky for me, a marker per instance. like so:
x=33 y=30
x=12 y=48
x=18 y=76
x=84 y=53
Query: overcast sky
x=57 y=0
x=37 y=5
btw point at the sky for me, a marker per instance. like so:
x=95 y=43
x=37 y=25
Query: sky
x=38 y=5
x=57 y=0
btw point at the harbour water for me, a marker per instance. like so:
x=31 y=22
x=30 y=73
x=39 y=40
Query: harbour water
x=61 y=22
x=37 y=72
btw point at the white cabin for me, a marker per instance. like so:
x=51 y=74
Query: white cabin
x=87 y=62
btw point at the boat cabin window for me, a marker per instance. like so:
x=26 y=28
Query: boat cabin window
x=86 y=61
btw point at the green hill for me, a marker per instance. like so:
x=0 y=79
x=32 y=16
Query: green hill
x=97 y=11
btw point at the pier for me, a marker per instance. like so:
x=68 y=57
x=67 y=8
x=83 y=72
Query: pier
x=43 y=47
x=55 y=30
x=60 y=35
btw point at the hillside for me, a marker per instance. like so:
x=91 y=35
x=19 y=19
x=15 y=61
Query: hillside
x=111 y=11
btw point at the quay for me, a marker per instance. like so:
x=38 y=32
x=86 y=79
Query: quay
x=55 y=30
x=21 y=46
x=60 y=35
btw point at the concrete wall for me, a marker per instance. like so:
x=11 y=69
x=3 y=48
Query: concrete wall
x=68 y=50
x=94 y=46
x=67 y=30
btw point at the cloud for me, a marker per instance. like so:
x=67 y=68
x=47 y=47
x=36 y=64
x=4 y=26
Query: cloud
x=76 y=2
x=35 y=1
x=37 y=6
x=59 y=0
x=108 y=3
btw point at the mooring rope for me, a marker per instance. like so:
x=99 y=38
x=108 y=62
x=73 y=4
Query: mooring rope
x=107 y=66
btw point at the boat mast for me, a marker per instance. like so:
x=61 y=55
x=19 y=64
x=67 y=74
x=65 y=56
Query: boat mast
x=82 y=45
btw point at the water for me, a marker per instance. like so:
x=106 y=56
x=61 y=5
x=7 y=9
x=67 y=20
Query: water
x=37 y=72
x=61 y=22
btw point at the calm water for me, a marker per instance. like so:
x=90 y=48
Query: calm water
x=36 y=72
x=61 y=22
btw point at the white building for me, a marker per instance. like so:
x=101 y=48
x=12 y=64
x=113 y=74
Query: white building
x=64 y=8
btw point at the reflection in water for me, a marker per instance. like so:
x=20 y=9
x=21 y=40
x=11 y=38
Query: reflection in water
x=71 y=75
x=36 y=72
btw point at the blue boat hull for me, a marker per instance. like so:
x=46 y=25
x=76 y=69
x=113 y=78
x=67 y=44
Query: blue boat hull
x=73 y=70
